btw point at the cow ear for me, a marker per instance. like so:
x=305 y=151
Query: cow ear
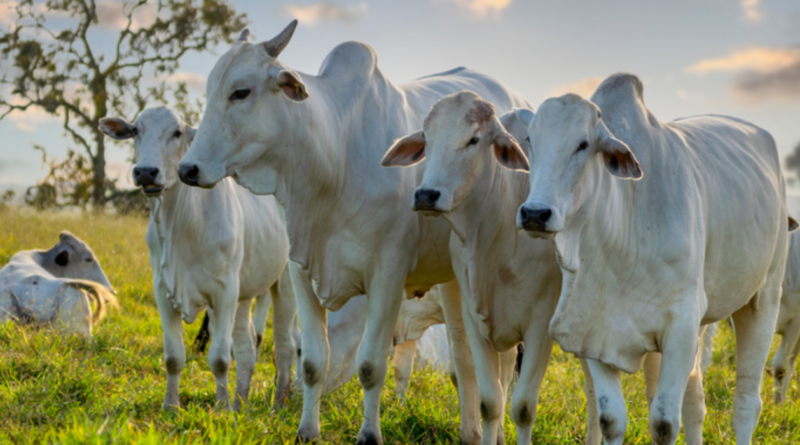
x=292 y=87
x=62 y=259
x=406 y=151
x=508 y=152
x=117 y=128
x=793 y=225
x=618 y=157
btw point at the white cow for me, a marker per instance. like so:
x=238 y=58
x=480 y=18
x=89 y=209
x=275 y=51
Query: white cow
x=56 y=285
x=509 y=282
x=659 y=228
x=217 y=248
x=788 y=322
x=316 y=143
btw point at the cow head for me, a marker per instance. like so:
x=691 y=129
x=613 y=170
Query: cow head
x=460 y=138
x=251 y=99
x=160 y=138
x=72 y=258
x=570 y=146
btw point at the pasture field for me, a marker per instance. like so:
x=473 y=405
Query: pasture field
x=108 y=389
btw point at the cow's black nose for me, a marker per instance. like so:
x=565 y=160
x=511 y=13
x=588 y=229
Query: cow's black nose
x=425 y=199
x=189 y=174
x=144 y=175
x=534 y=219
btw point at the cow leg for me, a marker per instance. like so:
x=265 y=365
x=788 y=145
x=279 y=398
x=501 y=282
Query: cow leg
x=693 y=411
x=708 y=347
x=383 y=301
x=755 y=325
x=784 y=359
x=219 y=353
x=610 y=402
x=403 y=363
x=260 y=314
x=315 y=352
x=461 y=357
x=284 y=316
x=593 y=434
x=678 y=352
x=174 y=350
x=245 y=352
x=538 y=347
x=487 y=368
x=652 y=371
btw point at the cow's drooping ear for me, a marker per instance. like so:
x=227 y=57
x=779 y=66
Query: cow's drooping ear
x=406 y=151
x=617 y=157
x=275 y=46
x=508 y=152
x=188 y=134
x=62 y=259
x=291 y=86
x=117 y=128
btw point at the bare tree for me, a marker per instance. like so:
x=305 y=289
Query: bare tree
x=57 y=68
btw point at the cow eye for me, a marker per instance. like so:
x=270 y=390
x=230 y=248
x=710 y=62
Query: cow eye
x=583 y=146
x=473 y=141
x=88 y=260
x=239 y=94
x=177 y=134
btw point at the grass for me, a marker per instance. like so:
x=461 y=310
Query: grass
x=56 y=388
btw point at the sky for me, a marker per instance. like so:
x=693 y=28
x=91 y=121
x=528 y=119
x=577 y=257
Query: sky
x=733 y=57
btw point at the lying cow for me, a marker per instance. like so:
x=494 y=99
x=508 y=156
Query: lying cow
x=216 y=248
x=315 y=142
x=659 y=228
x=788 y=322
x=56 y=285
x=509 y=282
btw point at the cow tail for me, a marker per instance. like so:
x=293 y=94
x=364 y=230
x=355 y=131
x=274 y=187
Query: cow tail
x=101 y=295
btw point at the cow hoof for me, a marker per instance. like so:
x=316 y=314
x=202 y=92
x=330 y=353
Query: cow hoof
x=300 y=439
x=369 y=439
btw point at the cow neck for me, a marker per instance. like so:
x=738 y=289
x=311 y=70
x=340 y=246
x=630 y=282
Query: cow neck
x=329 y=166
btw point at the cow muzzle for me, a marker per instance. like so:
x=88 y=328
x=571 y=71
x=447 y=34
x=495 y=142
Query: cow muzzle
x=189 y=174
x=534 y=220
x=425 y=201
x=145 y=177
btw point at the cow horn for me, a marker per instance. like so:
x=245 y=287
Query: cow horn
x=275 y=46
x=244 y=35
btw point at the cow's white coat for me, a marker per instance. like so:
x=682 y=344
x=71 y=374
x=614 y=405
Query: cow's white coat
x=316 y=143
x=659 y=228
x=788 y=325
x=216 y=248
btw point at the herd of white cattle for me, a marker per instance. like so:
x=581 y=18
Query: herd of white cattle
x=590 y=223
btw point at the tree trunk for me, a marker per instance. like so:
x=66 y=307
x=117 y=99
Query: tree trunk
x=99 y=169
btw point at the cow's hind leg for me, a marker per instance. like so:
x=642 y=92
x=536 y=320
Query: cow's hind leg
x=245 y=352
x=693 y=411
x=315 y=352
x=284 y=316
x=260 y=314
x=755 y=325
x=611 y=407
x=538 y=347
x=174 y=350
x=784 y=360
x=403 y=363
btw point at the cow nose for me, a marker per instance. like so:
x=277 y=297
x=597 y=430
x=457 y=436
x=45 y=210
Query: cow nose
x=425 y=199
x=189 y=174
x=534 y=219
x=144 y=175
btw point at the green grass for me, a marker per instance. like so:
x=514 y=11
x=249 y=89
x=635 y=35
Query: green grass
x=108 y=389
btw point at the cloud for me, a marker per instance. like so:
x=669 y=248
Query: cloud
x=8 y=14
x=24 y=127
x=326 y=12
x=584 y=88
x=482 y=8
x=111 y=15
x=752 y=10
x=760 y=74
x=192 y=80
x=759 y=59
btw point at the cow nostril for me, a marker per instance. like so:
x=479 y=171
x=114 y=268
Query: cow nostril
x=153 y=173
x=189 y=174
x=523 y=214
x=433 y=195
x=137 y=172
x=544 y=216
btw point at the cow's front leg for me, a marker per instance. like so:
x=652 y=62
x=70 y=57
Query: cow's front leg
x=611 y=409
x=284 y=321
x=461 y=356
x=314 y=354
x=219 y=353
x=245 y=351
x=174 y=350
x=490 y=392
x=538 y=347
x=384 y=297
x=594 y=436
x=403 y=363
x=679 y=349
